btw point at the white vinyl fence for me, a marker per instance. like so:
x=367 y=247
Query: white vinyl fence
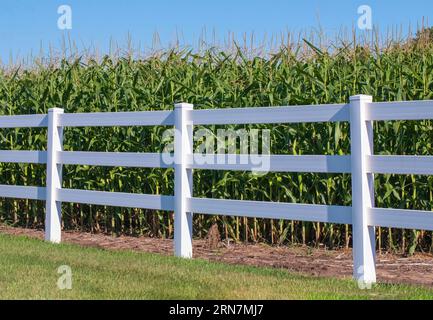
x=361 y=164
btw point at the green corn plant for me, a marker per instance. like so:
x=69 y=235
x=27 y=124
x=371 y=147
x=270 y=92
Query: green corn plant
x=300 y=74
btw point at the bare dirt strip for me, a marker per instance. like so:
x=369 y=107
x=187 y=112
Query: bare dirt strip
x=391 y=268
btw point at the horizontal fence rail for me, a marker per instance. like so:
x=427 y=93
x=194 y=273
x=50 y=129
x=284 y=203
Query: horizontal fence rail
x=401 y=164
x=298 y=114
x=24 y=156
x=23 y=192
x=362 y=163
x=406 y=110
x=272 y=210
x=270 y=163
x=401 y=218
x=110 y=119
x=24 y=121
x=113 y=159
x=117 y=199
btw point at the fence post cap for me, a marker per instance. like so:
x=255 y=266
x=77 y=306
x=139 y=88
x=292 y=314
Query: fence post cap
x=184 y=105
x=363 y=97
x=58 y=110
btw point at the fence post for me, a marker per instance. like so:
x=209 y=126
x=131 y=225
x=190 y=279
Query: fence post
x=53 y=208
x=363 y=235
x=183 y=146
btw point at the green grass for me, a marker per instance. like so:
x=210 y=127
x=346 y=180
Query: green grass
x=28 y=270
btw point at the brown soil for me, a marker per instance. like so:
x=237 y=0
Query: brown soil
x=391 y=268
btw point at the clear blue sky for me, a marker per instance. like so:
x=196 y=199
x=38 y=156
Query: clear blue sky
x=26 y=25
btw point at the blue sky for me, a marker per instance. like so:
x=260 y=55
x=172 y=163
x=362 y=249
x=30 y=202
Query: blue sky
x=28 y=25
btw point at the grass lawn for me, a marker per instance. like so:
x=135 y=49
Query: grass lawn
x=28 y=270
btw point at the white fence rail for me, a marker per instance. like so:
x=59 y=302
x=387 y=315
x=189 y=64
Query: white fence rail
x=361 y=164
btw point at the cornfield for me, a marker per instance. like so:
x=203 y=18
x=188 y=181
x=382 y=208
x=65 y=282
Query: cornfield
x=295 y=74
